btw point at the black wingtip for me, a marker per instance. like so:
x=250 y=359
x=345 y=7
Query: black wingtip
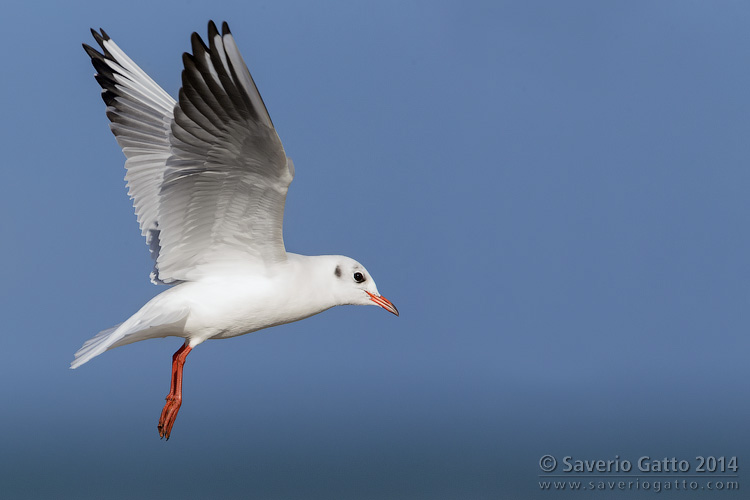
x=212 y=31
x=92 y=52
x=188 y=62
x=197 y=43
x=99 y=39
x=225 y=29
x=101 y=36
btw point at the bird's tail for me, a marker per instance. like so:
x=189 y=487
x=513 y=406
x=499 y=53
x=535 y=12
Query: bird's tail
x=95 y=346
x=148 y=323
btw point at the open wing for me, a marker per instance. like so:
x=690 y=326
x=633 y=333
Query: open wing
x=141 y=114
x=222 y=198
x=208 y=176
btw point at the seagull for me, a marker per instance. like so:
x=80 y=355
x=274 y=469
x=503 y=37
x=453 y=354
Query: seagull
x=208 y=177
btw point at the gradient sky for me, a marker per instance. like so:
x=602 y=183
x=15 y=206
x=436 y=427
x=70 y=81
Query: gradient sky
x=554 y=194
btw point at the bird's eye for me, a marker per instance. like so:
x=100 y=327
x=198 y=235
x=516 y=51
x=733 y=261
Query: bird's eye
x=358 y=277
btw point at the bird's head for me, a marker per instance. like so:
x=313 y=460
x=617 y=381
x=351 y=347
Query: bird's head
x=355 y=286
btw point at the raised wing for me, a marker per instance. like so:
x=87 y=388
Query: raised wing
x=209 y=176
x=222 y=198
x=141 y=114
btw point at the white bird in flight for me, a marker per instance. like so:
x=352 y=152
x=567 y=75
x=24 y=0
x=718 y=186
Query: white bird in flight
x=208 y=177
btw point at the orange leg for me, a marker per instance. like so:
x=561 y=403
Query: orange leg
x=174 y=398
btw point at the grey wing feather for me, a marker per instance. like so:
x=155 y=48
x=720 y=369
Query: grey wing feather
x=208 y=175
x=141 y=114
x=224 y=189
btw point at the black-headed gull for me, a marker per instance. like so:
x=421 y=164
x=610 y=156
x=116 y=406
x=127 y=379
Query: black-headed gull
x=208 y=177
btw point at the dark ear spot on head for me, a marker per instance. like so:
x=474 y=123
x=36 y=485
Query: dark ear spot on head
x=338 y=271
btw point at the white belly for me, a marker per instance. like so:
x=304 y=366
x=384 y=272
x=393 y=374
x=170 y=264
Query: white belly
x=238 y=306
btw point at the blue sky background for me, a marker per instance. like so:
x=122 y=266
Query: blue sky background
x=554 y=194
